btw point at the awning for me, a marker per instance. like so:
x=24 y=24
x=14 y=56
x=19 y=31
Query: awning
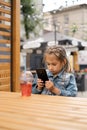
x=33 y=44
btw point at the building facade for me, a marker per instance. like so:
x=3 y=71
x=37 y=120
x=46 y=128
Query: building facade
x=71 y=21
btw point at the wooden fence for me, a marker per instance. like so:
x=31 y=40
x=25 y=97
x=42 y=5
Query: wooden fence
x=9 y=45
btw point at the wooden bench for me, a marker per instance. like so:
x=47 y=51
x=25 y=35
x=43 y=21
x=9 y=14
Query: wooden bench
x=9 y=45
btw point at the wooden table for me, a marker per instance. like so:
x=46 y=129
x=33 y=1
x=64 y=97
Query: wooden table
x=41 y=112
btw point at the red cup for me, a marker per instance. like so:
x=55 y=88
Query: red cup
x=26 y=89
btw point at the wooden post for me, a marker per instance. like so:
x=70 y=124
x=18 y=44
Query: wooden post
x=76 y=65
x=15 y=45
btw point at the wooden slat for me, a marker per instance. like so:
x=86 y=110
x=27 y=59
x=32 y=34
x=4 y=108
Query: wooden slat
x=5 y=3
x=5 y=87
x=4 y=26
x=5 y=41
x=4 y=77
x=3 y=33
x=5 y=11
x=5 y=18
x=4 y=73
x=5 y=57
x=6 y=49
x=5 y=80
x=5 y=66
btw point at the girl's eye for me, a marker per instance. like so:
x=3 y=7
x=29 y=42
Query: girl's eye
x=51 y=64
x=47 y=64
x=54 y=64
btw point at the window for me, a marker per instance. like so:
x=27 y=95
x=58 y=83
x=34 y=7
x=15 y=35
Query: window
x=66 y=31
x=66 y=19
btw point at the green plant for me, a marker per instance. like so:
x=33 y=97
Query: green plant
x=74 y=29
x=30 y=18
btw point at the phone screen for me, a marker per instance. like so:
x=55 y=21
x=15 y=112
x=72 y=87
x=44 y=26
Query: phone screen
x=42 y=74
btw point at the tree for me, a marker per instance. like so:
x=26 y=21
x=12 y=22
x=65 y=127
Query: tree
x=30 y=17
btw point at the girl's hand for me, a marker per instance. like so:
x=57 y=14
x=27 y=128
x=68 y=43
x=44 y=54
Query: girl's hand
x=40 y=84
x=49 y=85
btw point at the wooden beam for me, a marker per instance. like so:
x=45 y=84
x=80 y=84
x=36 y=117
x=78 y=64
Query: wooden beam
x=15 y=45
x=5 y=49
x=5 y=66
x=5 y=18
x=5 y=57
x=5 y=26
x=5 y=41
x=5 y=11
x=5 y=3
x=3 y=33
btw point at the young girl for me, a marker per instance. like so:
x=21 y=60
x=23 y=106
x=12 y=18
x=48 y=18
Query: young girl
x=61 y=81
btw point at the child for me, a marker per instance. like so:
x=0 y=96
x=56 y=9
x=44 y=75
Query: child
x=61 y=81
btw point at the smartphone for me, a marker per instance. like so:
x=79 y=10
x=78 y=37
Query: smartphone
x=42 y=74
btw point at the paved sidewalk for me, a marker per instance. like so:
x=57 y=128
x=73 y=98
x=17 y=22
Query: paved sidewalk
x=82 y=94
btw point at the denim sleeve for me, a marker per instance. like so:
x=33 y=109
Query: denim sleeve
x=34 y=86
x=70 y=89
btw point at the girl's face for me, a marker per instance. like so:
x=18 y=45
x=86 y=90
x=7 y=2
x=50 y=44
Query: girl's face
x=53 y=64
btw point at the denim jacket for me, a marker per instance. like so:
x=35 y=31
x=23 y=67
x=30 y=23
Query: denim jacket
x=63 y=81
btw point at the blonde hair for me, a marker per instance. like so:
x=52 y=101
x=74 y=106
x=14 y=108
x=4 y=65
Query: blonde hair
x=60 y=54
